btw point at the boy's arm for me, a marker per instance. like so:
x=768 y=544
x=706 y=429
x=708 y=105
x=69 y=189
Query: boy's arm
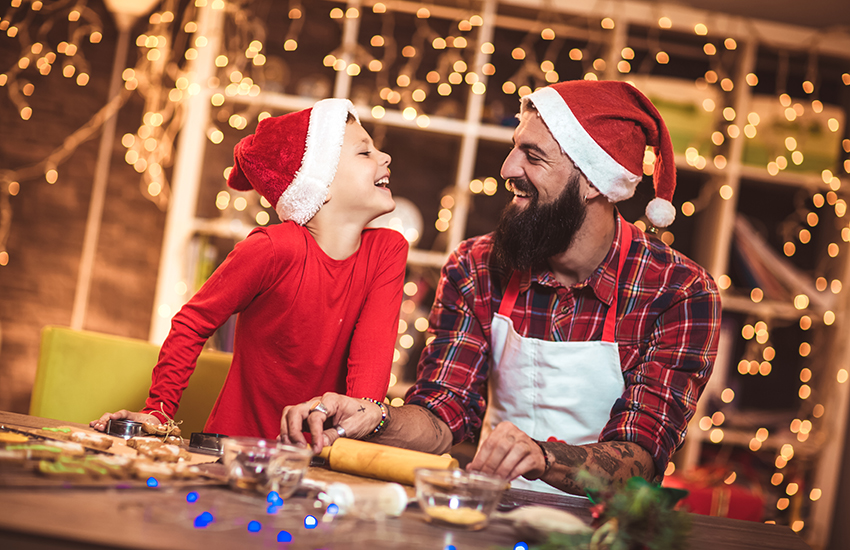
x=373 y=341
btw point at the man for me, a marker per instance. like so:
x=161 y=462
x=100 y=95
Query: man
x=593 y=340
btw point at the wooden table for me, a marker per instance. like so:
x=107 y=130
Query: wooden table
x=162 y=518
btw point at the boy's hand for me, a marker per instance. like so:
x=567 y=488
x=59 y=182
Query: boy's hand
x=355 y=418
x=123 y=414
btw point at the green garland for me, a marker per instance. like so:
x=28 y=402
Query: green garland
x=637 y=516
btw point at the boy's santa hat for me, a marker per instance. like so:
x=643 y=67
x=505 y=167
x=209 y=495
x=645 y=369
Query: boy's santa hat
x=605 y=127
x=292 y=159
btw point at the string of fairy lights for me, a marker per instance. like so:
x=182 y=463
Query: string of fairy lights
x=30 y=26
x=162 y=77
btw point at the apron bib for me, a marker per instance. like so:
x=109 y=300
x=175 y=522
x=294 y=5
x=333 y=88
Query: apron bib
x=560 y=389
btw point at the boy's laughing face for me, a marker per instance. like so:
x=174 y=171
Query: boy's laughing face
x=362 y=177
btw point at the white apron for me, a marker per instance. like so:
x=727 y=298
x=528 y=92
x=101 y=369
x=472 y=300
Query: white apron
x=560 y=389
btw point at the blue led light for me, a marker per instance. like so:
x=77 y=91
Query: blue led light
x=450 y=547
x=192 y=497
x=203 y=520
x=520 y=546
x=152 y=482
x=310 y=522
x=274 y=498
x=272 y=509
x=333 y=509
x=284 y=536
x=254 y=526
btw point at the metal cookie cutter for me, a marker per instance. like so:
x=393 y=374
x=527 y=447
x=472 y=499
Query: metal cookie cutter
x=124 y=428
x=206 y=443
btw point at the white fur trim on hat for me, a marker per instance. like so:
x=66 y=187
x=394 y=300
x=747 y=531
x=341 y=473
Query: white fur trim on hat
x=606 y=174
x=660 y=212
x=309 y=188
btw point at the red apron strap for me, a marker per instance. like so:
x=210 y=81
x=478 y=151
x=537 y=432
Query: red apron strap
x=509 y=299
x=627 y=233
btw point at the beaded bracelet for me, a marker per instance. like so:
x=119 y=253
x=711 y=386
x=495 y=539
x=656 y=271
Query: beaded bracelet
x=383 y=421
x=546 y=463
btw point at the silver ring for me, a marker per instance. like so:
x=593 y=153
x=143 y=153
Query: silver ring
x=340 y=430
x=319 y=407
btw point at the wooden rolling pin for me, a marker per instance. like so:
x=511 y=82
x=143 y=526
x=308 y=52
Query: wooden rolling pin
x=381 y=461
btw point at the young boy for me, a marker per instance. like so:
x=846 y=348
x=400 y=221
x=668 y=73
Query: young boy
x=318 y=295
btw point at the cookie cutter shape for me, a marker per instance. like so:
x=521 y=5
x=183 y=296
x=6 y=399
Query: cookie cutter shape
x=124 y=428
x=206 y=443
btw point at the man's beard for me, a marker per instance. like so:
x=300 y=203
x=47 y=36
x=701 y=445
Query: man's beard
x=526 y=237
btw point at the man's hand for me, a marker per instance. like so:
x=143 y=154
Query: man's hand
x=123 y=414
x=508 y=452
x=357 y=417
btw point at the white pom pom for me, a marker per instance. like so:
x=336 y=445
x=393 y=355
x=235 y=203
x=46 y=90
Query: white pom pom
x=660 y=212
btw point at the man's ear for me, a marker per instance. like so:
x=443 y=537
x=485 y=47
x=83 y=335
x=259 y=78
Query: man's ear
x=590 y=190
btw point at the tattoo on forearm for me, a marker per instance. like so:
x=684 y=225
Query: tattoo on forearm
x=434 y=422
x=570 y=456
x=617 y=459
x=607 y=460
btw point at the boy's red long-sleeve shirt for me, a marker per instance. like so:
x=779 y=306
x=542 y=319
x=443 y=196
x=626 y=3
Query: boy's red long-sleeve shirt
x=307 y=324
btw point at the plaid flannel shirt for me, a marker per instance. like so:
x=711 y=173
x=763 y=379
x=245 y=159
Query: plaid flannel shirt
x=667 y=330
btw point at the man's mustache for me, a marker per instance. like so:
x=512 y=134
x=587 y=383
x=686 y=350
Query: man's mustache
x=522 y=185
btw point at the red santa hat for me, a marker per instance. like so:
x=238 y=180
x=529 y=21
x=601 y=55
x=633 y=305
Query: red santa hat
x=605 y=127
x=292 y=159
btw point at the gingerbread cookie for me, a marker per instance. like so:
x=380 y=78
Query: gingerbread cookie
x=94 y=440
x=9 y=437
x=61 y=432
x=63 y=469
x=144 y=469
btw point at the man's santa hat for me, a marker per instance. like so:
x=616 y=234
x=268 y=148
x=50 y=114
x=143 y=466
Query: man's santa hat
x=605 y=127
x=292 y=159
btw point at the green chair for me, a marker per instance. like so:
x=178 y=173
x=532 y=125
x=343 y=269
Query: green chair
x=83 y=374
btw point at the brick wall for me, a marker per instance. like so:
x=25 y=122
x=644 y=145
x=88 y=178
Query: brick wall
x=38 y=284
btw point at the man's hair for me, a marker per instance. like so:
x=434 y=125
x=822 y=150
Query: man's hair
x=350 y=118
x=529 y=106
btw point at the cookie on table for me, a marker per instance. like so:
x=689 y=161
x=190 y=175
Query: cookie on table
x=51 y=450
x=155 y=428
x=13 y=457
x=173 y=440
x=94 y=440
x=118 y=467
x=71 y=470
x=157 y=450
x=169 y=453
x=10 y=437
x=67 y=448
x=144 y=469
x=142 y=442
x=184 y=470
x=73 y=467
x=60 y=432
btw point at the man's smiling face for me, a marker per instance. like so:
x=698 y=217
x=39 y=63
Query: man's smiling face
x=547 y=209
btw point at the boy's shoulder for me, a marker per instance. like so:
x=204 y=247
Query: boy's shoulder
x=383 y=234
x=282 y=237
x=279 y=231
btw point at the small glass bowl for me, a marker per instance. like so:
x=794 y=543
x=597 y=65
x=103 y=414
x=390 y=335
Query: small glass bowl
x=458 y=498
x=264 y=465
